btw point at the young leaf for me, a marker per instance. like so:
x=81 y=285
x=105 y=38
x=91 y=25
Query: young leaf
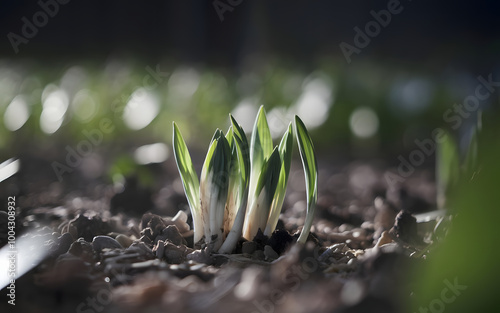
x=309 y=163
x=214 y=188
x=447 y=167
x=285 y=149
x=241 y=144
x=258 y=213
x=189 y=181
x=261 y=147
x=233 y=199
x=243 y=151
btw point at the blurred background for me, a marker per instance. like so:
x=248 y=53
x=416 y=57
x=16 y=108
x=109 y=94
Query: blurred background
x=89 y=89
x=197 y=61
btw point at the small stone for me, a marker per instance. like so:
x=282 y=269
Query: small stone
x=171 y=253
x=384 y=238
x=105 y=242
x=405 y=227
x=62 y=244
x=145 y=239
x=154 y=222
x=270 y=254
x=124 y=241
x=248 y=247
x=200 y=256
x=82 y=249
x=89 y=227
x=159 y=249
x=345 y=227
x=358 y=232
x=171 y=233
x=174 y=254
x=258 y=255
x=148 y=232
x=141 y=248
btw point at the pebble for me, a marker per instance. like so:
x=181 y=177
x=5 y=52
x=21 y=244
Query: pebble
x=384 y=239
x=62 y=244
x=258 y=255
x=159 y=249
x=248 y=247
x=155 y=224
x=141 y=248
x=345 y=227
x=172 y=234
x=105 y=242
x=145 y=239
x=174 y=254
x=124 y=241
x=82 y=249
x=171 y=253
x=333 y=253
x=358 y=232
x=270 y=254
x=200 y=256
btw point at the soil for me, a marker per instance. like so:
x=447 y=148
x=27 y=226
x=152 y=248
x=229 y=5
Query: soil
x=106 y=249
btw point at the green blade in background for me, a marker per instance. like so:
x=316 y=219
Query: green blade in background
x=285 y=150
x=447 y=167
x=309 y=162
x=470 y=161
x=189 y=181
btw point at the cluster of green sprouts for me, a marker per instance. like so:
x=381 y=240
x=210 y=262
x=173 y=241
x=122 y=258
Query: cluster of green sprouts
x=242 y=186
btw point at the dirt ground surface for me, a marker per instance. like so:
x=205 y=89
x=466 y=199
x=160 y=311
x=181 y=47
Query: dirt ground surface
x=95 y=247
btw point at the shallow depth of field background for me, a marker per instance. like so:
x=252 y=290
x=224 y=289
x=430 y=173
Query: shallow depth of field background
x=136 y=67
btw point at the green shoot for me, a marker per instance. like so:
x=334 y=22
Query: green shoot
x=285 y=149
x=189 y=181
x=260 y=207
x=242 y=188
x=310 y=172
x=214 y=189
x=236 y=229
